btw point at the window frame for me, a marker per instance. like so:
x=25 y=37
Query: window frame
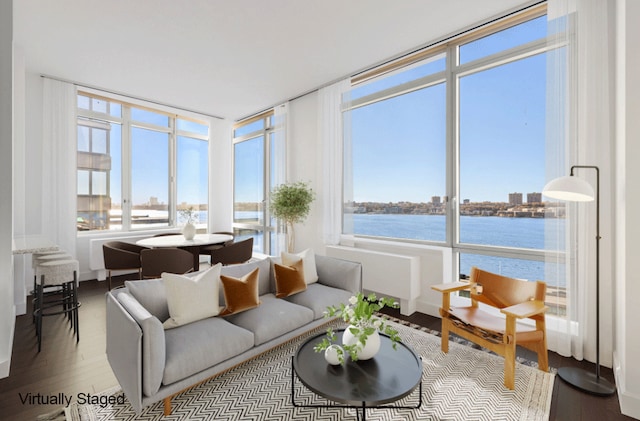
x=451 y=76
x=266 y=132
x=126 y=123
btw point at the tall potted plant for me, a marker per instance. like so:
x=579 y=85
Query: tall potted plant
x=291 y=203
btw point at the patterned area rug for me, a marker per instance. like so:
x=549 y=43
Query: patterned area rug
x=463 y=384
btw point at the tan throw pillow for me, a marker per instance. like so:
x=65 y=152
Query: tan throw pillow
x=191 y=298
x=309 y=259
x=240 y=294
x=289 y=279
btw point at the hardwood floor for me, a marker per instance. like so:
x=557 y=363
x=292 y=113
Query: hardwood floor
x=69 y=368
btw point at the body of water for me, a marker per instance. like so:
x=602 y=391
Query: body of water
x=528 y=233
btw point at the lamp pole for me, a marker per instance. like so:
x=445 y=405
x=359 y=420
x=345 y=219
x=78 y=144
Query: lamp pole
x=578 y=377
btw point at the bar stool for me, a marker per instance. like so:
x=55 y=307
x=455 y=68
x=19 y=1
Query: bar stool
x=64 y=275
x=42 y=257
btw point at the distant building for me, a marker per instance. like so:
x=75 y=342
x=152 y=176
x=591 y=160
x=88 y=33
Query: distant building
x=435 y=200
x=515 y=199
x=466 y=201
x=534 y=197
x=153 y=201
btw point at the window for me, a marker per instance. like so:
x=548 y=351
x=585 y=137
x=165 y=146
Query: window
x=464 y=121
x=255 y=163
x=138 y=167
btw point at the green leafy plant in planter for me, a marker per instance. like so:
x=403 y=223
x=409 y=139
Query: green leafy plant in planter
x=291 y=203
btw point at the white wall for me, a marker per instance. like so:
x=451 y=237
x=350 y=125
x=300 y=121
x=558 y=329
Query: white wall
x=627 y=289
x=7 y=308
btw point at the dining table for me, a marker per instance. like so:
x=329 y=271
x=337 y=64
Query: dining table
x=179 y=241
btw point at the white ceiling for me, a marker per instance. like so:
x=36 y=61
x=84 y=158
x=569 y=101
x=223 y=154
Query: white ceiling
x=228 y=58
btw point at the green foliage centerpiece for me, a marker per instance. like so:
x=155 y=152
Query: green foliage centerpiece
x=291 y=203
x=359 y=313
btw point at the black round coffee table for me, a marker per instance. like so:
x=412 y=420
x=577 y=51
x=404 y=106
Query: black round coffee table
x=389 y=376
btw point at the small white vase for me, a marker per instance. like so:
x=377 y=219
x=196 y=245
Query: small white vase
x=371 y=347
x=189 y=231
x=332 y=354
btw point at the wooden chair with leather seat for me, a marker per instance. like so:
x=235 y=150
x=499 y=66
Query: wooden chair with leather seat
x=165 y=259
x=236 y=252
x=516 y=301
x=119 y=255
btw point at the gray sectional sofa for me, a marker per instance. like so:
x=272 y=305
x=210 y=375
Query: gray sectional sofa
x=153 y=364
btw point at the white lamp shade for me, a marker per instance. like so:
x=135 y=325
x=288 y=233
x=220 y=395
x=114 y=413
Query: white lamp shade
x=570 y=188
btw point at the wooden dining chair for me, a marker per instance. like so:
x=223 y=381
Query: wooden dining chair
x=515 y=299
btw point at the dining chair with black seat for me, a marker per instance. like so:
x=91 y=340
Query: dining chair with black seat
x=165 y=259
x=119 y=255
x=236 y=252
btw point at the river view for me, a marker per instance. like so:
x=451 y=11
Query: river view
x=526 y=233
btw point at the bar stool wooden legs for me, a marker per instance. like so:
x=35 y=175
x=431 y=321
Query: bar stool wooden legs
x=62 y=274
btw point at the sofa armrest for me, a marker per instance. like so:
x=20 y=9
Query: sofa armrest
x=153 y=343
x=124 y=350
x=339 y=273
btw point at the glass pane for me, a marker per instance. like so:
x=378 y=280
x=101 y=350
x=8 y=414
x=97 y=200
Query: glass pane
x=149 y=117
x=192 y=176
x=249 y=181
x=425 y=68
x=84 y=102
x=99 y=176
x=399 y=167
x=258 y=238
x=192 y=126
x=98 y=140
x=249 y=128
x=98 y=183
x=83 y=182
x=83 y=138
x=99 y=105
x=500 y=41
x=502 y=154
x=149 y=178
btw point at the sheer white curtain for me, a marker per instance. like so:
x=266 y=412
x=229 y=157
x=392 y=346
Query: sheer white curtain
x=279 y=167
x=59 y=167
x=330 y=133
x=579 y=132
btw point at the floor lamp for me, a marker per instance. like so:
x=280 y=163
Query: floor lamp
x=574 y=189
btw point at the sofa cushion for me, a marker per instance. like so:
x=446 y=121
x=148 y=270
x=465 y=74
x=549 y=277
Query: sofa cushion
x=273 y=318
x=238 y=271
x=309 y=259
x=200 y=345
x=240 y=294
x=318 y=297
x=289 y=279
x=192 y=298
x=153 y=340
x=152 y=295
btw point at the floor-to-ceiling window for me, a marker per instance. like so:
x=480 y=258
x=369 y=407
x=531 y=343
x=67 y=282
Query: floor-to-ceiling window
x=448 y=148
x=254 y=177
x=138 y=167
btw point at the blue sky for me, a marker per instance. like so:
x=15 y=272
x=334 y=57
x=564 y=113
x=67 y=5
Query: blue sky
x=399 y=145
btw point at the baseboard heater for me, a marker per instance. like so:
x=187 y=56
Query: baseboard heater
x=385 y=274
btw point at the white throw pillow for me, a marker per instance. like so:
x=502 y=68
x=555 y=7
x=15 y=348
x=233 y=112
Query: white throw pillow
x=192 y=298
x=308 y=263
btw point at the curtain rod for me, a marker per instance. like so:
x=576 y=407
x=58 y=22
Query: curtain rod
x=82 y=85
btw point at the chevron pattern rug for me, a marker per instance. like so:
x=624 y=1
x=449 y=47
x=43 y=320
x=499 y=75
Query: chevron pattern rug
x=464 y=384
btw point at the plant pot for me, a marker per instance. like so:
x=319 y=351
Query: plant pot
x=332 y=354
x=189 y=231
x=371 y=347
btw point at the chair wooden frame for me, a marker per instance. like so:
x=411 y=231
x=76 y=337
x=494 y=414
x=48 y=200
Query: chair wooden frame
x=515 y=299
